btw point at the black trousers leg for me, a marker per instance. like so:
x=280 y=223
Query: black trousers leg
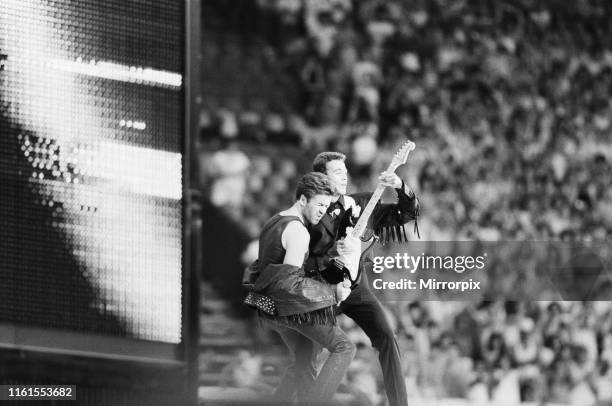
x=370 y=316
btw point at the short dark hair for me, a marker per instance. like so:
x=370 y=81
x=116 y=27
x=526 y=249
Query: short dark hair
x=313 y=183
x=319 y=164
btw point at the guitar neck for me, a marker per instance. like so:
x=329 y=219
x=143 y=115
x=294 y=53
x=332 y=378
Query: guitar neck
x=398 y=159
x=362 y=223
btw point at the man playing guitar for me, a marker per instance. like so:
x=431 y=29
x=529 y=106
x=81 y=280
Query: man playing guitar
x=327 y=244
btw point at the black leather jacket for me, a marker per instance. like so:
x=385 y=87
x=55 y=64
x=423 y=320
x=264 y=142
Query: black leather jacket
x=293 y=292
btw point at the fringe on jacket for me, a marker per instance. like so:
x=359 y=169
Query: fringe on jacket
x=315 y=317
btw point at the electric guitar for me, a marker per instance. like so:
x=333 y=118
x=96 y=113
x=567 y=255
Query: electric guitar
x=346 y=267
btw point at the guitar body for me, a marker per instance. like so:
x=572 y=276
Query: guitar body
x=337 y=272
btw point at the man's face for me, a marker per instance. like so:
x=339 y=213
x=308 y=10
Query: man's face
x=338 y=176
x=315 y=208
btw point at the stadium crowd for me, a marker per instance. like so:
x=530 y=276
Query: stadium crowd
x=498 y=352
x=509 y=105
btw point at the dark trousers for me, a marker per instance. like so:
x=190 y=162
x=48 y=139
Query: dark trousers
x=365 y=309
x=300 y=378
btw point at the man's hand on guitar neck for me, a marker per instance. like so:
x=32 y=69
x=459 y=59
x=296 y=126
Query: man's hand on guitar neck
x=390 y=179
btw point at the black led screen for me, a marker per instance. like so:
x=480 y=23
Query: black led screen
x=91 y=152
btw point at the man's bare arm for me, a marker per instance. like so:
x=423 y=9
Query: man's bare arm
x=295 y=240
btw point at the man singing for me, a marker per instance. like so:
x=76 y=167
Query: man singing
x=387 y=221
x=301 y=308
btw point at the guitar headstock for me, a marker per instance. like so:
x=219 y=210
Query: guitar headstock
x=401 y=155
